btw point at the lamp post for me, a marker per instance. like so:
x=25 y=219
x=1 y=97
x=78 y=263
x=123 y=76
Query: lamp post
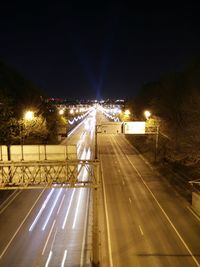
x=147 y=115
x=156 y=144
x=28 y=116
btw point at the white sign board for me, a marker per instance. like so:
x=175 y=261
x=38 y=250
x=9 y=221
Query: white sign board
x=42 y=152
x=134 y=127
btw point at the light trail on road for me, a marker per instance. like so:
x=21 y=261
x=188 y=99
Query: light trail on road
x=51 y=216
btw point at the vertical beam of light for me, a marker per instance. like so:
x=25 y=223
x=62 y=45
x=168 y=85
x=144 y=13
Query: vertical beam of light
x=70 y=203
x=54 y=204
x=77 y=208
x=64 y=258
x=49 y=258
x=41 y=210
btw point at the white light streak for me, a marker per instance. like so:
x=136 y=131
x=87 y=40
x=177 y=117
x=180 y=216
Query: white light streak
x=61 y=203
x=54 y=204
x=41 y=210
x=49 y=258
x=64 y=258
x=70 y=203
x=48 y=237
x=77 y=208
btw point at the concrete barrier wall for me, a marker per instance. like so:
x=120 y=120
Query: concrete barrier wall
x=3 y=153
x=196 y=202
x=41 y=152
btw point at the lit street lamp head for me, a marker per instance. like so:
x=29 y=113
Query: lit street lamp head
x=29 y=115
x=61 y=111
x=147 y=114
x=127 y=112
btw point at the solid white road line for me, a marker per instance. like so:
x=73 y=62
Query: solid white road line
x=9 y=200
x=165 y=214
x=107 y=221
x=7 y=246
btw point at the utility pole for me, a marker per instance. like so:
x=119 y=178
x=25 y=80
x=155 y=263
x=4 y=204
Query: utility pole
x=95 y=235
x=156 y=144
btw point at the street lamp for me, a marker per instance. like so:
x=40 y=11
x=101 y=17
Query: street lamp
x=61 y=112
x=147 y=114
x=127 y=112
x=28 y=115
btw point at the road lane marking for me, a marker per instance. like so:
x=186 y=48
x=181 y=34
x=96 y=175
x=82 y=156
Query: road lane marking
x=41 y=210
x=54 y=238
x=51 y=211
x=77 y=208
x=64 y=258
x=49 y=258
x=165 y=214
x=107 y=221
x=44 y=248
x=70 y=203
x=7 y=246
x=84 y=232
x=141 y=230
x=61 y=203
x=10 y=201
x=130 y=200
x=196 y=216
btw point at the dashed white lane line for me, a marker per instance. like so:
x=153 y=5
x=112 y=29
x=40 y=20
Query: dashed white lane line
x=48 y=237
x=107 y=222
x=61 y=203
x=7 y=246
x=130 y=200
x=165 y=214
x=141 y=230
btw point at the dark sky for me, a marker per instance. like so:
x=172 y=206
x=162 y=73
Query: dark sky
x=96 y=50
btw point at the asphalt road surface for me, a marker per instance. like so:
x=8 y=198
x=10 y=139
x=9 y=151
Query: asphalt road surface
x=49 y=227
x=143 y=221
x=148 y=223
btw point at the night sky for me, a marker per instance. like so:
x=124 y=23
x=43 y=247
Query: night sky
x=96 y=50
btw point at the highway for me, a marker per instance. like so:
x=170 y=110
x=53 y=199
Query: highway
x=142 y=219
x=49 y=227
x=148 y=223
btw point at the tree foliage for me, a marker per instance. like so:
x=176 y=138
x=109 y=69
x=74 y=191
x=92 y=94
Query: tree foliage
x=16 y=96
x=175 y=101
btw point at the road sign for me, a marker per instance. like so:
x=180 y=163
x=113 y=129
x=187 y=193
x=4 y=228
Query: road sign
x=134 y=127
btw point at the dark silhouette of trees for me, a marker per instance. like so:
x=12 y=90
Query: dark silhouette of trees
x=175 y=101
x=18 y=95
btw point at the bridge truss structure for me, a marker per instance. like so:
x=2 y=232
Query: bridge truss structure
x=49 y=173
x=56 y=174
